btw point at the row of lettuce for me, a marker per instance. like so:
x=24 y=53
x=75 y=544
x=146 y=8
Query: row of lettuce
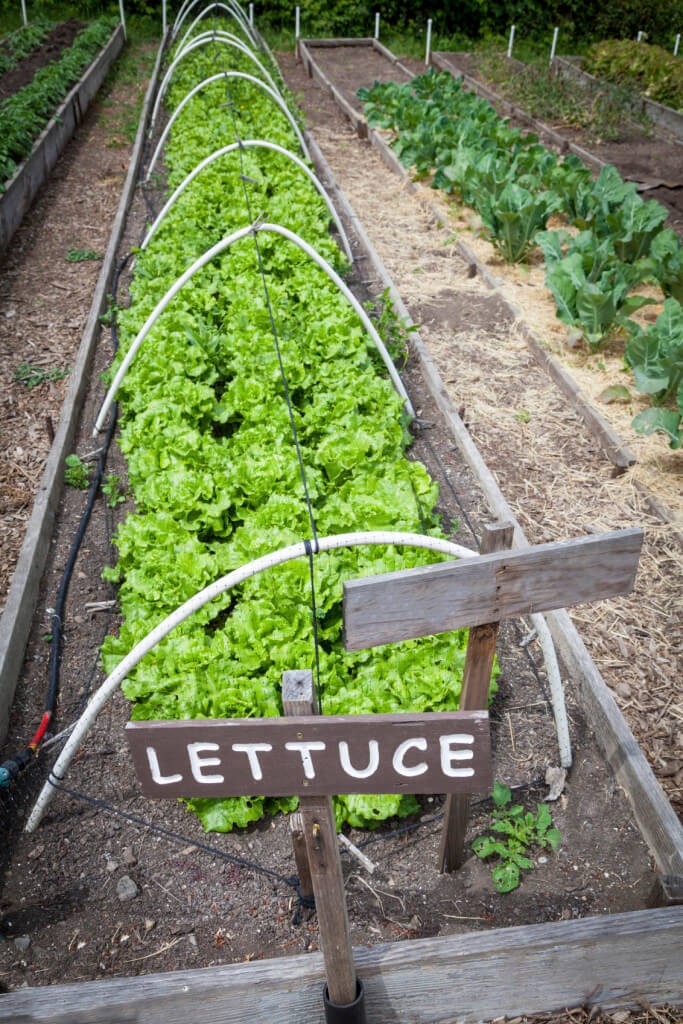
x=206 y=433
x=614 y=241
x=652 y=70
x=24 y=114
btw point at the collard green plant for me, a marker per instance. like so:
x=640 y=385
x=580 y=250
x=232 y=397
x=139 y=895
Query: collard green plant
x=514 y=830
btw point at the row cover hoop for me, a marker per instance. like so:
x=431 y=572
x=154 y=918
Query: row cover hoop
x=214 y=78
x=251 y=144
x=215 y=250
x=232 y=8
x=206 y=10
x=193 y=604
x=207 y=37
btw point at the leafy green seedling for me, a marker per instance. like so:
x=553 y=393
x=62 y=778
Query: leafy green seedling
x=113 y=490
x=76 y=473
x=32 y=376
x=515 y=831
x=81 y=255
x=523 y=415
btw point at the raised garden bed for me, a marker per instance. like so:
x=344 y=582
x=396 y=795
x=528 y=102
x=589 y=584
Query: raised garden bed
x=23 y=186
x=566 y=949
x=664 y=117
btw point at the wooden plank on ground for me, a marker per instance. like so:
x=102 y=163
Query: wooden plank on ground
x=616 y=960
x=418 y=602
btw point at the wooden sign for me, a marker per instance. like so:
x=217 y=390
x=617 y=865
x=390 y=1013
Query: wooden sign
x=410 y=603
x=446 y=752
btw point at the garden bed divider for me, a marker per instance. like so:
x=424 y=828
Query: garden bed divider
x=665 y=117
x=608 y=961
x=17 y=618
x=32 y=174
x=618 y=453
x=654 y=815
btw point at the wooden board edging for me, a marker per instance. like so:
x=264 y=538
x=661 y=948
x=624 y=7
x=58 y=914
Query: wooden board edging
x=614 y=448
x=598 y=961
x=666 y=117
x=17 y=617
x=34 y=171
x=653 y=813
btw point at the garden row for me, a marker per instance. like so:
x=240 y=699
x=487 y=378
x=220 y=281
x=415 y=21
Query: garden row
x=614 y=241
x=651 y=70
x=18 y=45
x=24 y=115
x=256 y=395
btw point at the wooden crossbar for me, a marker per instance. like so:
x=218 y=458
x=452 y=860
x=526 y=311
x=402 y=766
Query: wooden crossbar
x=411 y=603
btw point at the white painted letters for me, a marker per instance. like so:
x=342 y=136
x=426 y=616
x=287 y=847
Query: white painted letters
x=399 y=766
x=305 y=747
x=448 y=755
x=252 y=752
x=359 y=773
x=153 y=762
x=198 y=763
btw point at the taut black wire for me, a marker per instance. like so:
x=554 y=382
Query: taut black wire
x=312 y=548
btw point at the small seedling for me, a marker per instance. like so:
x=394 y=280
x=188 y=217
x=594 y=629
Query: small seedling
x=391 y=328
x=516 y=830
x=113 y=490
x=81 y=255
x=33 y=376
x=76 y=473
x=523 y=415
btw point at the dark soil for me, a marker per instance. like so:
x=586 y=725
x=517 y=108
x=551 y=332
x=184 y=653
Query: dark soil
x=60 y=38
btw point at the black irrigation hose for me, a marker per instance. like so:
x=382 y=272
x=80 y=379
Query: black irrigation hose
x=292 y=881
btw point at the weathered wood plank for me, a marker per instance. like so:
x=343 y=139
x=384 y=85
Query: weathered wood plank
x=324 y=862
x=476 y=680
x=607 y=961
x=660 y=827
x=418 y=602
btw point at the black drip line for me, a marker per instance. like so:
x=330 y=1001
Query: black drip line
x=312 y=546
x=292 y=881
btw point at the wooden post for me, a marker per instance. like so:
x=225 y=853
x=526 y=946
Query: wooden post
x=481 y=648
x=320 y=836
x=303 y=868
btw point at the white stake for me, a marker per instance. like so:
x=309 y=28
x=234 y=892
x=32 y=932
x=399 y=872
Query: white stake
x=251 y=15
x=429 y=43
x=639 y=37
x=164 y=20
x=123 y=19
x=511 y=41
x=24 y=16
x=554 y=45
x=377 y=25
x=297 y=22
x=677 y=44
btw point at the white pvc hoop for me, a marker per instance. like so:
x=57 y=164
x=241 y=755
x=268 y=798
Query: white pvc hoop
x=251 y=144
x=199 y=17
x=225 y=583
x=232 y=9
x=204 y=40
x=214 y=78
x=215 y=250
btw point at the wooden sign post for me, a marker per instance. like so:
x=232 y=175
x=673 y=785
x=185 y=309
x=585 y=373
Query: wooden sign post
x=479 y=593
x=314 y=756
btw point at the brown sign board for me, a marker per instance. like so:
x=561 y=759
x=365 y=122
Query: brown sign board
x=444 y=752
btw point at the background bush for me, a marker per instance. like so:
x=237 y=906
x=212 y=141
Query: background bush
x=577 y=19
